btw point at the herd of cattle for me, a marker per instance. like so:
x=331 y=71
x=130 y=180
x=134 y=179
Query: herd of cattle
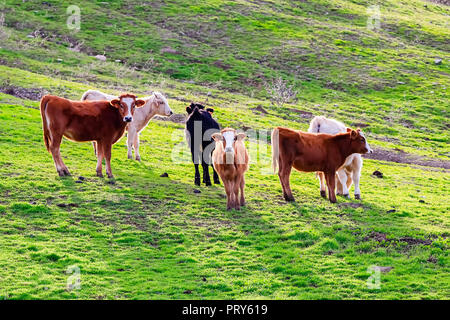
x=328 y=148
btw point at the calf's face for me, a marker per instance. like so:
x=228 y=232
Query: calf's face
x=228 y=138
x=126 y=105
x=162 y=106
x=359 y=141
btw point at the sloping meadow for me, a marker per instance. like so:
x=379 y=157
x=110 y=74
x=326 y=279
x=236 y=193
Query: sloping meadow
x=143 y=236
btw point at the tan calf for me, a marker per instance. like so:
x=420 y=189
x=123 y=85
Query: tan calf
x=230 y=160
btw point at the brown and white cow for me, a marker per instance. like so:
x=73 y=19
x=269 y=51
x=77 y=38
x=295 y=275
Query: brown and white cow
x=230 y=160
x=101 y=121
x=350 y=171
x=311 y=152
x=156 y=104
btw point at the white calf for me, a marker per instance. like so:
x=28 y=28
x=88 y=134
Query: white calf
x=350 y=171
x=156 y=104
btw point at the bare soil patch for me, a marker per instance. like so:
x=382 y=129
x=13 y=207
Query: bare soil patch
x=34 y=94
x=400 y=156
x=176 y=117
x=381 y=237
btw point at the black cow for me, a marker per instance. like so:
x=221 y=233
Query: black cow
x=200 y=126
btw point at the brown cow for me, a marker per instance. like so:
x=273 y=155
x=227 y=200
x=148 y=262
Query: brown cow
x=313 y=152
x=230 y=160
x=101 y=121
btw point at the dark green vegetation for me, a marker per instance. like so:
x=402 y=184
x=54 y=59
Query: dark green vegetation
x=151 y=237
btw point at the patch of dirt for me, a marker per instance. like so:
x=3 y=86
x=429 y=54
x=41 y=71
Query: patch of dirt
x=303 y=114
x=359 y=125
x=381 y=237
x=221 y=64
x=260 y=108
x=351 y=205
x=444 y=2
x=176 y=117
x=34 y=94
x=413 y=241
x=377 y=236
x=400 y=156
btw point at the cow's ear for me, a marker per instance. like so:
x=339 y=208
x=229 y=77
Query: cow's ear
x=188 y=110
x=139 y=103
x=241 y=136
x=349 y=129
x=354 y=134
x=210 y=110
x=115 y=103
x=217 y=136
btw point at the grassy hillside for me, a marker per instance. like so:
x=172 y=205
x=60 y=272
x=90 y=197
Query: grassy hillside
x=151 y=237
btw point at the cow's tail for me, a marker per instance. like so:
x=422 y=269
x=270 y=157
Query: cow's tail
x=47 y=135
x=314 y=125
x=85 y=95
x=275 y=149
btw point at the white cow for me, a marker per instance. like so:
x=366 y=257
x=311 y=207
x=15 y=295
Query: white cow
x=350 y=170
x=156 y=104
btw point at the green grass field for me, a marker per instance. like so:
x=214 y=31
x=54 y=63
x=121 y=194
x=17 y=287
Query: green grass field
x=149 y=237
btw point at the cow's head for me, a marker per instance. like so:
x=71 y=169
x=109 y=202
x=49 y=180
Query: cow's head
x=161 y=104
x=228 y=138
x=126 y=104
x=359 y=141
x=193 y=105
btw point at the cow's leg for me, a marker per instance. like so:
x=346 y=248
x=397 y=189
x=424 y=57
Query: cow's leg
x=321 y=176
x=236 y=187
x=206 y=177
x=242 y=186
x=136 y=146
x=99 y=159
x=195 y=160
x=229 y=192
x=215 y=175
x=331 y=183
x=284 y=173
x=107 y=154
x=356 y=174
x=342 y=176
x=197 y=175
x=349 y=180
x=130 y=140
x=56 y=154
x=94 y=144
x=339 y=190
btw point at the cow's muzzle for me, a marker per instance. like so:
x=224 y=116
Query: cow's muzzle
x=128 y=119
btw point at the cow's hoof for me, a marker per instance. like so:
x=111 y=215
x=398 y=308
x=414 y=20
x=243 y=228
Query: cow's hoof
x=130 y=157
x=138 y=159
x=237 y=208
x=333 y=200
x=357 y=196
x=289 y=199
x=99 y=174
x=216 y=181
x=323 y=194
x=208 y=183
x=197 y=181
x=346 y=195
